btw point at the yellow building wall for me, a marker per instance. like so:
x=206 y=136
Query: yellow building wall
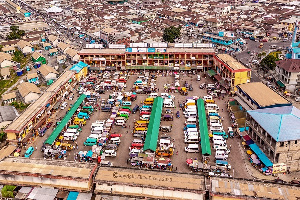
x=11 y=136
x=240 y=78
x=81 y=74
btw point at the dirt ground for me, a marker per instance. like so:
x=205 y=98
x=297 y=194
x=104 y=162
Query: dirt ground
x=178 y=161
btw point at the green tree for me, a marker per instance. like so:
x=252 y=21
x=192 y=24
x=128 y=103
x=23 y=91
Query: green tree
x=1 y=46
x=15 y=33
x=171 y=33
x=18 y=56
x=269 y=62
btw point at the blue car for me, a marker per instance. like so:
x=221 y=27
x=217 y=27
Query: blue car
x=29 y=152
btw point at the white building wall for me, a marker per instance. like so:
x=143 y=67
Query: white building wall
x=148 y=192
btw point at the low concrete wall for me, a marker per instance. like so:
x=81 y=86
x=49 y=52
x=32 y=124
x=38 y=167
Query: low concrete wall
x=146 y=192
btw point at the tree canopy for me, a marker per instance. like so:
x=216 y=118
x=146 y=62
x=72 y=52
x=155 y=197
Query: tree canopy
x=269 y=62
x=15 y=33
x=171 y=33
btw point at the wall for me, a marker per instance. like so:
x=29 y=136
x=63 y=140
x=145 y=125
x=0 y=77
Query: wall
x=289 y=154
x=42 y=181
x=146 y=192
x=82 y=73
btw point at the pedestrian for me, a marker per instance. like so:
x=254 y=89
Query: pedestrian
x=176 y=152
x=222 y=109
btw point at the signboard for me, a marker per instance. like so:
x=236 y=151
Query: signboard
x=279 y=168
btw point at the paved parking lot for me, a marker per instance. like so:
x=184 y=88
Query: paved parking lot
x=178 y=161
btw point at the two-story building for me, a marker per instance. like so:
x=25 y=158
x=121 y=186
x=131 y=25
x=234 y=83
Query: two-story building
x=257 y=95
x=288 y=74
x=277 y=132
x=230 y=72
x=149 y=58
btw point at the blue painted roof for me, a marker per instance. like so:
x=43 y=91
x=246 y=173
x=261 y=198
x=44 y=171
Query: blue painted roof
x=282 y=123
x=79 y=66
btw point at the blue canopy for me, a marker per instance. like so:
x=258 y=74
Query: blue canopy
x=263 y=158
x=72 y=195
x=89 y=153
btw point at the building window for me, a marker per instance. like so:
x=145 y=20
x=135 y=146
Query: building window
x=281 y=144
x=295 y=141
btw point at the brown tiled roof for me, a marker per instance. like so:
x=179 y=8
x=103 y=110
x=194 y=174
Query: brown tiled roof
x=289 y=65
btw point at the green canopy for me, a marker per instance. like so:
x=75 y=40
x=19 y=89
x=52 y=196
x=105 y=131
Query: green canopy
x=154 y=123
x=280 y=84
x=211 y=72
x=65 y=120
x=205 y=144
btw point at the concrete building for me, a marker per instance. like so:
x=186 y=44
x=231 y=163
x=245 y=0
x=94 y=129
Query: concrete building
x=80 y=70
x=7 y=115
x=229 y=72
x=277 y=132
x=5 y=60
x=288 y=74
x=29 y=92
x=48 y=73
x=25 y=47
x=9 y=97
x=21 y=127
x=73 y=176
x=257 y=95
x=149 y=58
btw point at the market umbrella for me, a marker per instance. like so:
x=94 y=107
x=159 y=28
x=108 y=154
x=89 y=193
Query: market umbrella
x=243 y=143
x=16 y=154
x=256 y=161
x=253 y=156
x=189 y=161
x=249 y=152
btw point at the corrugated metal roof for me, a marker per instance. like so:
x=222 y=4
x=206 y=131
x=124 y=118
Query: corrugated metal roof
x=282 y=123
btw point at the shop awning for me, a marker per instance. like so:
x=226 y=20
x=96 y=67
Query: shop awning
x=218 y=77
x=205 y=144
x=65 y=120
x=280 y=84
x=263 y=158
x=153 y=127
x=211 y=72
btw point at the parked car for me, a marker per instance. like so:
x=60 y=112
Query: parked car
x=29 y=152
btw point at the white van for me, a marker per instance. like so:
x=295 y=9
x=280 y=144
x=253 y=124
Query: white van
x=191 y=130
x=216 y=127
x=191 y=115
x=168 y=103
x=273 y=46
x=110 y=153
x=74 y=131
x=192 y=139
x=145 y=117
x=210 y=106
x=70 y=136
x=115 y=140
x=198 y=77
x=139 y=141
x=191 y=134
x=222 y=150
x=221 y=157
x=192 y=148
x=207 y=97
x=96 y=136
x=218 y=143
x=190 y=109
x=210 y=86
x=98 y=129
x=120 y=121
x=191 y=120
x=153 y=95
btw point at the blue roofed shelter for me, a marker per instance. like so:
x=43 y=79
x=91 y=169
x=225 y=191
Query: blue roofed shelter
x=277 y=132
